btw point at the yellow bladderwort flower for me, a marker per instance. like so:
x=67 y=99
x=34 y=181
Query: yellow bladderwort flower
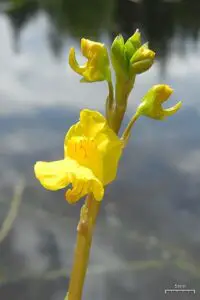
x=97 y=67
x=151 y=105
x=91 y=155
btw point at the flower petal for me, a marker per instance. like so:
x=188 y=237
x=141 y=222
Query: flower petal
x=84 y=150
x=172 y=110
x=52 y=175
x=90 y=124
x=58 y=174
x=83 y=187
x=110 y=147
x=74 y=64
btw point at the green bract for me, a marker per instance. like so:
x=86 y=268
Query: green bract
x=118 y=57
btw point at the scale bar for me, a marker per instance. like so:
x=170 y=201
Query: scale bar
x=179 y=290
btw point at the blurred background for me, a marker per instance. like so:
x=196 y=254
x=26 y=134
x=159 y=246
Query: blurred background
x=147 y=237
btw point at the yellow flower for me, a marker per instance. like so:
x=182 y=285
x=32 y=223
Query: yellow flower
x=91 y=155
x=97 y=67
x=151 y=105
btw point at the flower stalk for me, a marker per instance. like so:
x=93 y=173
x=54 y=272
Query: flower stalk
x=127 y=132
x=122 y=92
x=109 y=102
x=89 y=212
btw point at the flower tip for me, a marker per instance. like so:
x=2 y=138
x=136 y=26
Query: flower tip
x=168 y=90
x=71 y=53
x=178 y=105
x=136 y=36
x=72 y=58
x=83 y=40
x=163 y=92
x=73 y=62
x=152 y=54
x=119 y=37
x=84 y=46
x=172 y=110
x=117 y=44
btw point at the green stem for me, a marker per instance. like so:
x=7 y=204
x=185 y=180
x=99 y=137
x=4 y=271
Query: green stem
x=127 y=132
x=122 y=91
x=109 y=102
x=85 y=228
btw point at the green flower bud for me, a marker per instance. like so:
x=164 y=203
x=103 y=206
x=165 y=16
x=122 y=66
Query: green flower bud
x=142 y=60
x=118 y=58
x=133 y=44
